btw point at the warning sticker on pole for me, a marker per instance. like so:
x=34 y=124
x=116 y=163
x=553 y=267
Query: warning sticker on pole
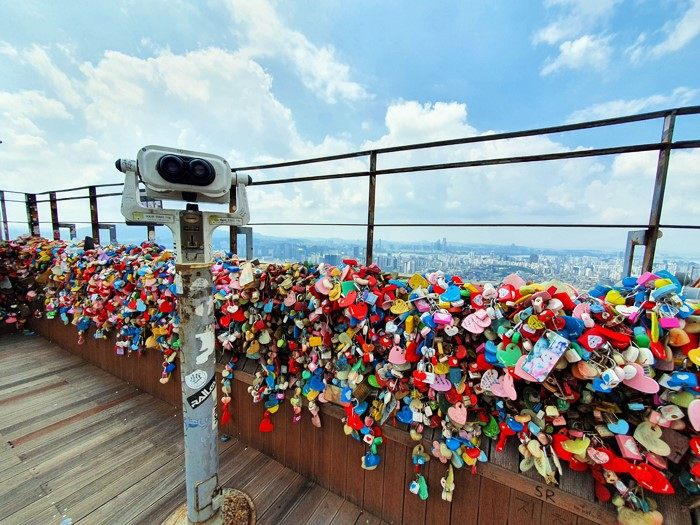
x=197 y=398
x=196 y=379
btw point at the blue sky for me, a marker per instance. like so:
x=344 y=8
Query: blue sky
x=255 y=81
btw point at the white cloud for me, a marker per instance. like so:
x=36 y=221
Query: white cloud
x=318 y=67
x=8 y=50
x=31 y=104
x=680 y=32
x=586 y=51
x=615 y=108
x=575 y=31
x=64 y=86
x=575 y=17
x=677 y=35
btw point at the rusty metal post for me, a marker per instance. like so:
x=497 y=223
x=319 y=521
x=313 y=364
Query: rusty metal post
x=657 y=200
x=94 y=219
x=195 y=308
x=3 y=209
x=233 y=230
x=32 y=214
x=151 y=232
x=370 y=207
x=55 y=225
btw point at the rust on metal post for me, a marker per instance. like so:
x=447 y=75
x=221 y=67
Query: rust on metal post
x=151 y=232
x=94 y=219
x=55 y=226
x=32 y=214
x=370 y=207
x=233 y=230
x=659 y=190
x=3 y=209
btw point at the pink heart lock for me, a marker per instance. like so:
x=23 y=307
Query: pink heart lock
x=642 y=382
x=441 y=384
x=514 y=280
x=442 y=317
x=482 y=318
x=458 y=414
x=470 y=324
x=397 y=355
x=489 y=292
x=505 y=387
x=694 y=414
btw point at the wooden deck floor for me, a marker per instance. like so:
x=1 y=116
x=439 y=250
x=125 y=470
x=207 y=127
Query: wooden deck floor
x=78 y=443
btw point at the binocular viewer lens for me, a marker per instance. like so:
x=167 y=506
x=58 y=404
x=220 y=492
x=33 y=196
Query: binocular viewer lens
x=178 y=169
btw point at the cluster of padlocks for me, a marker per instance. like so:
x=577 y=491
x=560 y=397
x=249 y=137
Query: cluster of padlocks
x=603 y=380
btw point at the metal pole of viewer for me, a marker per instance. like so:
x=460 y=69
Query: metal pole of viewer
x=197 y=367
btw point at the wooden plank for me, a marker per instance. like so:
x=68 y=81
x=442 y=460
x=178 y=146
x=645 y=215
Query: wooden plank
x=523 y=509
x=293 y=448
x=579 y=484
x=673 y=512
x=278 y=438
x=289 y=496
x=548 y=494
x=69 y=445
x=584 y=521
x=327 y=509
x=322 y=454
x=355 y=474
x=552 y=515
x=413 y=506
x=491 y=512
x=27 y=393
x=374 y=485
x=394 y=483
x=339 y=449
x=73 y=480
x=25 y=423
x=347 y=513
x=73 y=419
x=283 y=481
x=508 y=458
x=305 y=505
x=104 y=490
x=465 y=500
x=130 y=503
x=437 y=510
x=307 y=457
x=232 y=461
x=365 y=518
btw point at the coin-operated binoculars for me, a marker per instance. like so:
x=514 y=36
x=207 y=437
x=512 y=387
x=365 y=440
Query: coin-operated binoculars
x=179 y=175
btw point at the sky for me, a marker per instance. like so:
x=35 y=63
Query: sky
x=84 y=83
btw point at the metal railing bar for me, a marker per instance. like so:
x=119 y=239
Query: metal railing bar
x=78 y=197
x=542 y=157
x=689 y=110
x=111 y=185
x=454 y=224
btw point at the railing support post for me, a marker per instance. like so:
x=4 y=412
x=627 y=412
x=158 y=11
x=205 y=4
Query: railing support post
x=369 y=255
x=32 y=214
x=659 y=189
x=55 y=226
x=3 y=209
x=151 y=232
x=94 y=219
x=233 y=230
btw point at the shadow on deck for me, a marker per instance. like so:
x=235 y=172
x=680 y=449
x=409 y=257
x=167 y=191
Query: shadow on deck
x=79 y=443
